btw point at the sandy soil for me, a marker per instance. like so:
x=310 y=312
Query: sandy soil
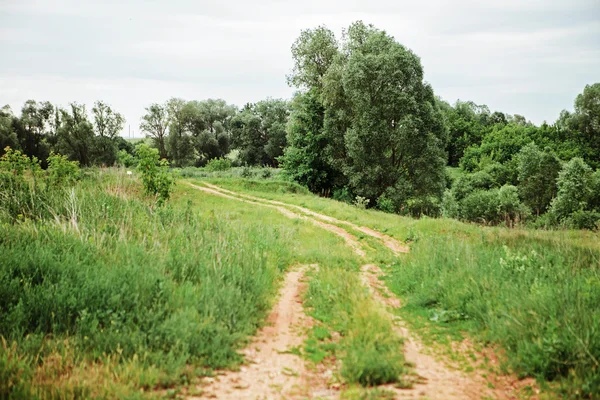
x=272 y=371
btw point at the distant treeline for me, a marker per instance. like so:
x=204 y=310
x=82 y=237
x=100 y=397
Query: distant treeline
x=362 y=123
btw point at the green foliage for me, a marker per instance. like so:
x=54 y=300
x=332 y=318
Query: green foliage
x=156 y=177
x=538 y=171
x=385 y=204
x=361 y=202
x=493 y=206
x=259 y=132
x=449 y=205
x=21 y=194
x=126 y=159
x=574 y=189
x=61 y=171
x=218 y=164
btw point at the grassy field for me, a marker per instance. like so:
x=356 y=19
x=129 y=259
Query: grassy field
x=106 y=296
x=102 y=294
x=531 y=294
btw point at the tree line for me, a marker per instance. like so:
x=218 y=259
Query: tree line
x=363 y=124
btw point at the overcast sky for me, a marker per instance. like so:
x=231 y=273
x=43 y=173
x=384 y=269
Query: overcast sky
x=517 y=56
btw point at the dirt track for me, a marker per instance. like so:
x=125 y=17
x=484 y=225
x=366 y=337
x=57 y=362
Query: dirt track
x=269 y=377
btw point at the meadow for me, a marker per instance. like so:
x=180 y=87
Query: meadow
x=106 y=294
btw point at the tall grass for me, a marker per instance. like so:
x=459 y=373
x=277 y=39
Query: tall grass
x=537 y=298
x=167 y=288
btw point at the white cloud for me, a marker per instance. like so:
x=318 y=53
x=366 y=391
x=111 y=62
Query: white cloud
x=527 y=57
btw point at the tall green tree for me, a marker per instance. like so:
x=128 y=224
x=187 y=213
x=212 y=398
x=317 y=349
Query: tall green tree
x=538 y=171
x=586 y=121
x=396 y=136
x=76 y=135
x=209 y=123
x=34 y=128
x=8 y=136
x=107 y=126
x=155 y=124
x=179 y=142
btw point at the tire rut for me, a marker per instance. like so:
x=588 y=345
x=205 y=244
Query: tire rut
x=272 y=370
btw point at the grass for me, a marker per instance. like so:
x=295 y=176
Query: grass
x=533 y=294
x=104 y=295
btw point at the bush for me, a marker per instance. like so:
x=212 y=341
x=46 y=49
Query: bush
x=247 y=172
x=584 y=220
x=342 y=194
x=126 y=159
x=361 y=202
x=218 y=164
x=266 y=173
x=449 y=205
x=480 y=206
x=385 y=204
x=156 y=177
x=61 y=171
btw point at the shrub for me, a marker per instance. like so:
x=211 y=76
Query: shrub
x=61 y=171
x=584 y=220
x=385 y=204
x=19 y=197
x=156 y=177
x=218 y=164
x=361 y=202
x=480 y=206
x=266 y=173
x=342 y=194
x=125 y=159
x=247 y=172
x=449 y=206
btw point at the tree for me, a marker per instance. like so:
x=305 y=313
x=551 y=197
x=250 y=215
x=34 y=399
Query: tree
x=586 y=121
x=313 y=53
x=209 y=123
x=538 y=171
x=395 y=135
x=76 y=135
x=304 y=159
x=8 y=137
x=107 y=126
x=575 y=184
x=259 y=131
x=179 y=142
x=34 y=128
x=155 y=123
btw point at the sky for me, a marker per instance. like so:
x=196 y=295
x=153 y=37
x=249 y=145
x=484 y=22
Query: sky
x=528 y=57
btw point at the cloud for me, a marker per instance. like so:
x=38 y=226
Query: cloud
x=530 y=58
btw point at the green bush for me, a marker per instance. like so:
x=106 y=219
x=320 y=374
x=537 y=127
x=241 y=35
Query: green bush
x=449 y=205
x=584 y=220
x=574 y=189
x=61 y=171
x=126 y=160
x=385 y=204
x=156 y=177
x=218 y=164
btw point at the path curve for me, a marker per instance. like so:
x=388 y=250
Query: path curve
x=350 y=239
x=394 y=245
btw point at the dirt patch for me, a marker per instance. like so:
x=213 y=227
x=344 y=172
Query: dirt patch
x=388 y=241
x=350 y=239
x=434 y=379
x=273 y=371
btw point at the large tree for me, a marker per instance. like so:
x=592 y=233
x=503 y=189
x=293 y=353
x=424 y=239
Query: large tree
x=395 y=136
x=179 y=143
